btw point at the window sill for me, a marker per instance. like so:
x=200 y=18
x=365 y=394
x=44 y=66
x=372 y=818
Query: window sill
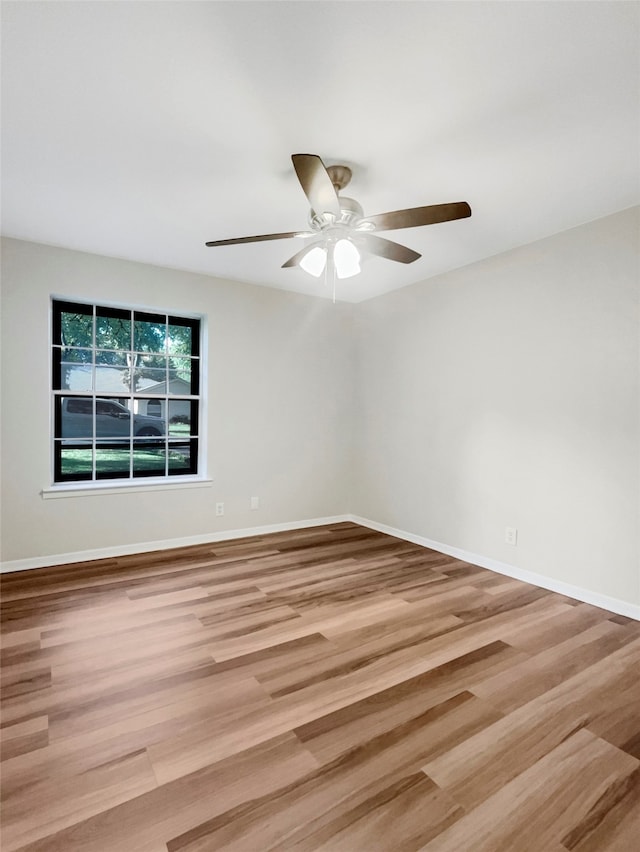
x=83 y=489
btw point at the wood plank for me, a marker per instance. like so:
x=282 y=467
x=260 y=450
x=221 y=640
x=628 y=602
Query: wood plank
x=613 y=823
x=156 y=816
x=55 y=803
x=476 y=768
x=546 y=802
x=537 y=674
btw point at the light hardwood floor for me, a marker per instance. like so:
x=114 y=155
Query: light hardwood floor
x=330 y=688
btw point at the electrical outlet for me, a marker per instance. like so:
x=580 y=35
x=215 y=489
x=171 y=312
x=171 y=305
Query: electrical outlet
x=219 y=509
x=511 y=535
x=255 y=503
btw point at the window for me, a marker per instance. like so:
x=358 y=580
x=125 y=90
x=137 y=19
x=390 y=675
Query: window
x=126 y=393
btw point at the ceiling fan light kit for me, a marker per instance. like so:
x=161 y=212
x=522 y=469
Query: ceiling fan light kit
x=346 y=258
x=342 y=232
x=314 y=261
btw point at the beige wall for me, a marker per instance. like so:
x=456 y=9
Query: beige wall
x=507 y=394
x=279 y=402
x=502 y=394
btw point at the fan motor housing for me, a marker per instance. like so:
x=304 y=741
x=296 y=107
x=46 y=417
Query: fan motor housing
x=350 y=214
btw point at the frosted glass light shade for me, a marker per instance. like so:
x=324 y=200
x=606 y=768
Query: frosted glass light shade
x=346 y=258
x=315 y=261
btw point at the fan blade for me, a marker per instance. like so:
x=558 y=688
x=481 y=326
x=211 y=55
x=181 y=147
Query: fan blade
x=295 y=260
x=259 y=238
x=415 y=216
x=316 y=183
x=385 y=248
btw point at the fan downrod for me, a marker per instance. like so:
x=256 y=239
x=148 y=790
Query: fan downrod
x=340 y=176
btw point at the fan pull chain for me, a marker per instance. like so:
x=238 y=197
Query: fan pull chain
x=330 y=263
x=334 y=282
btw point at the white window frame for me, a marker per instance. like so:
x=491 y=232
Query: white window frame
x=131 y=483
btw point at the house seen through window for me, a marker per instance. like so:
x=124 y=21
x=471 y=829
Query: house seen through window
x=126 y=393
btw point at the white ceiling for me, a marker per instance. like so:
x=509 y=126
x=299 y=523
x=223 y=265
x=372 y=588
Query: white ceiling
x=141 y=130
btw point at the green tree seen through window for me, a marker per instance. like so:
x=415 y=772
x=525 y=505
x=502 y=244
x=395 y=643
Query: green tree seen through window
x=146 y=356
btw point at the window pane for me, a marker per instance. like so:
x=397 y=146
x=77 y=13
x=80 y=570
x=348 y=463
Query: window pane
x=113 y=328
x=184 y=336
x=179 y=376
x=195 y=376
x=151 y=374
x=183 y=417
x=76 y=370
x=113 y=419
x=112 y=372
x=182 y=456
x=149 y=458
x=112 y=359
x=112 y=379
x=149 y=332
x=179 y=341
x=154 y=409
x=151 y=379
x=74 y=462
x=113 y=460
x=73 y=324
x=74 y=417
x=148 y=419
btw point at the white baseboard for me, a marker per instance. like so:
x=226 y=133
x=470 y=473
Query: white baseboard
x=167 y=544
x=577 y=592
x=616 y=605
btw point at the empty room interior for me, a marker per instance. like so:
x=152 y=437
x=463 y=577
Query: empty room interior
x=320 y=408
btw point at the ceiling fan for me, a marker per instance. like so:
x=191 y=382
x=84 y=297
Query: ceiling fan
x=341 y=229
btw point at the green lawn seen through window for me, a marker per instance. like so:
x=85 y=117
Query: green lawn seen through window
x=179 y=428
x=148 y=459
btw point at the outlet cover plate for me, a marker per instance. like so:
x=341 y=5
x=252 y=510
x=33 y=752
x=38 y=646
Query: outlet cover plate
x=511 y=535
